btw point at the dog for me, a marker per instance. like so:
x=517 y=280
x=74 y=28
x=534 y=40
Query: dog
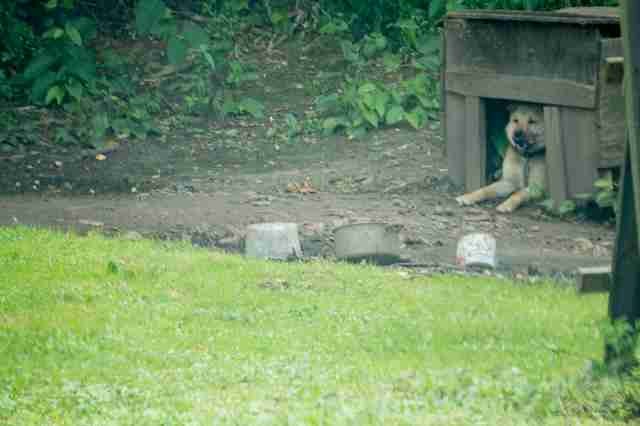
x=524 y=174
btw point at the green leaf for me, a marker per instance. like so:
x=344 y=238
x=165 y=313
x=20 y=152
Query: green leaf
x=195 y=35
x=437 y=8
x=327 y=102
x=87 y=28
x=149 y=13
x=68 y=4
x=41 y=85
x=371 y=117
x=566 y=207
x=73 y=34
x=251 y=106
x=53 y=33
x=547 y=204
x=357 y=132
x=394 y=115
x=176 y=51
x=55 y=93
x=51 y=4
x=417 y=117
x=603 y=183
x=330 y=124
x=366 y=88
x=381 y=99
x=75 y=90
x=100 y=124
x=429 y=45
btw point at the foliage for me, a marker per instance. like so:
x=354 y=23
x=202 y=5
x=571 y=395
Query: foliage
x=63 y=67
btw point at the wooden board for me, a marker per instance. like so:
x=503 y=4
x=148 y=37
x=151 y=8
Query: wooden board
x=569 y=16
x=625 y=291
x=631 y=37
x=456 y=138
x=594 y=280
x=611 y=105
x=580 y=138
x=624 y=302
x=476 y=143
x=596 y=11
x=555 y=156
x=524 y=49
x=524 y=89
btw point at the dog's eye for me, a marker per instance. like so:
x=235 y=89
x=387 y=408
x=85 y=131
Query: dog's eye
x=515 y=120
x=532 y=121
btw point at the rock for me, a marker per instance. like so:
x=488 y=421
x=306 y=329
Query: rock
x=68 y=186
x=397 y=202
x=533 y=269
x=443 y=211
x=93 y=223
x=132 y=236
x=583 y=244
x=57 y=164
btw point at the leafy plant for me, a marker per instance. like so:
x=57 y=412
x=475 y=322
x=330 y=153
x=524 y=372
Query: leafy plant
x=63 y=68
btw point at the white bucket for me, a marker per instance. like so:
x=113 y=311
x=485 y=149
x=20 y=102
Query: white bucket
x=477 y=250
x=273 y=241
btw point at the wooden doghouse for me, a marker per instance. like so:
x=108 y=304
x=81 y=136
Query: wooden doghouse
x=564 y=60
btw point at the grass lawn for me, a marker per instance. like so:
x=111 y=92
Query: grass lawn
x=104 y=331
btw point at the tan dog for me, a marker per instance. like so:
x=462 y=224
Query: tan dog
x=524 y=174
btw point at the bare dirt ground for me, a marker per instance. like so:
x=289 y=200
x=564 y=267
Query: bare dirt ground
x=207 y=180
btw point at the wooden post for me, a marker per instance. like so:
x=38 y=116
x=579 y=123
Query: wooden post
x=624 y=301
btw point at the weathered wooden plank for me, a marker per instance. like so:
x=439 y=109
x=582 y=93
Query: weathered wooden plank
x=575 y=16
x=456 y=138
x=525 y=89
x=624 y=301
x=631 y=43
x=524 y=49
x=555 y=155
x=476 y=147
x=611 y=47
x=598 y=11
x=443 y=92
x=594 y=279
x=611 y=115
x=625 y=292
x=580 y=138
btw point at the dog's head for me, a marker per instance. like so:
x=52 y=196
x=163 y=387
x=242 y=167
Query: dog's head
x=525 y=130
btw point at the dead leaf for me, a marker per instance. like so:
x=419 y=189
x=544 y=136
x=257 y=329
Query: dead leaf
x=101 y=157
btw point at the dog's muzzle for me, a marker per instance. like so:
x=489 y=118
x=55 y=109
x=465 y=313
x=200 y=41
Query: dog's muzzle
x=520 y=141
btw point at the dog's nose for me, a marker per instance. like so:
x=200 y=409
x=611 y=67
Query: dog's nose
x=518 y=134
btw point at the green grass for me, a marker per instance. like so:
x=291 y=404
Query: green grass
x=104 y=331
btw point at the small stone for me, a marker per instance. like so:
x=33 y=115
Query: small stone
x=132 y=236
x=583 y=244
x=58 y=164
x=93 y=223
x=535 y=228
x=68 y=186
x=396 y=202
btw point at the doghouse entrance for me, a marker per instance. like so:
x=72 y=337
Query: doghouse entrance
x=497 y=117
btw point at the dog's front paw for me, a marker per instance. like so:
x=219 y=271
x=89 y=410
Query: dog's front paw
x=505 y=208
x=464 y=200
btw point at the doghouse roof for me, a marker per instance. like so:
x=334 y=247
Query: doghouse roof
x=573 y=15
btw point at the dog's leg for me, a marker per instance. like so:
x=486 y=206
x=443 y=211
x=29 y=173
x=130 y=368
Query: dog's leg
x=498 y=189
x=518 y=198
x=515 y=201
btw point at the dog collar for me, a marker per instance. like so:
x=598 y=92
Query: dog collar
x=531 y=150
